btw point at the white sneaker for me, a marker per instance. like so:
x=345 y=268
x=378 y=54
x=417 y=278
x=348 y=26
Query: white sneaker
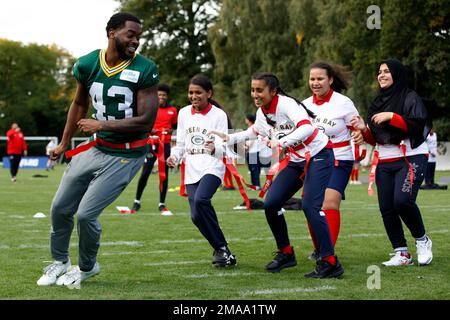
x=424 y=253
x=399 y=259
x=74 y=277
x=52 y=272
x=357 y=182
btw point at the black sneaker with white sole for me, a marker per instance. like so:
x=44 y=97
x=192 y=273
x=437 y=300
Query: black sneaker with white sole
x=281 y=261
x=324 y=269
x=136 y=206
x=223 y=258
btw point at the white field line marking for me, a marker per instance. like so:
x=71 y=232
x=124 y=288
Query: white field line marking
x=360 y=235
x=292 y=290
x=142 y=214
x=141 y=244
x=174 y=263
x=131 y=252
x=33 y=246
x=364 y=235
x=376 y=206
x=122 y=243
x=444 y=209
x=366 y=207
x=225 y=274
x=16 y=216
x=111 y=243
x=24 y=225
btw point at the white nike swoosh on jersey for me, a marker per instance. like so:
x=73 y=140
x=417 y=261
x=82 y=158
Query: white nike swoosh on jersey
x=155 y=75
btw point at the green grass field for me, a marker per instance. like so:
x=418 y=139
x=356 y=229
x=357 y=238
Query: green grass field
x=153 y=257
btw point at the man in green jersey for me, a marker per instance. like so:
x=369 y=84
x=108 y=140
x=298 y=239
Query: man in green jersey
x=123 y=89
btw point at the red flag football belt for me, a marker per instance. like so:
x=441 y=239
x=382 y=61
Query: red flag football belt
x=156 y=140
x=237 y=176
x=358 y=155
x=307 y=141
x=182 y=183
x=99 y=141
x=374 y=165
x=278 y=166
x=341 y=144
x=240 y=181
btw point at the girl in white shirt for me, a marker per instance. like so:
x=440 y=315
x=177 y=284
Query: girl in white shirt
x=203 y=159
x=334 y=112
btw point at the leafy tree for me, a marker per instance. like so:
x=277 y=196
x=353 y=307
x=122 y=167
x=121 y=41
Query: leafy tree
x=35 y=88
x=251 y=36
x=175 y=37
x=415 y=32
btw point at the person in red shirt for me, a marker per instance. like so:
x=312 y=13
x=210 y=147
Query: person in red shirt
x=16 y=146
x=166 y=122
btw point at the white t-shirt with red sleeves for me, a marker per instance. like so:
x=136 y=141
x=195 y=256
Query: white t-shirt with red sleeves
x=292 y=126
x=191 y=137
x=333 y=117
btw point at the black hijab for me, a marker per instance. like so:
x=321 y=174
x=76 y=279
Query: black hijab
x=400 y=99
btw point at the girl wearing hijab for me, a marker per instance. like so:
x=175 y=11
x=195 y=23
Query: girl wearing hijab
x=398 y=124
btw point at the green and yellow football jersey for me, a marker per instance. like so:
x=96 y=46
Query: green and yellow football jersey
x=113 y=91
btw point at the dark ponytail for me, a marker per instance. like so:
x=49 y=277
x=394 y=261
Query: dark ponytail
x=274 y=84
x=341 y=76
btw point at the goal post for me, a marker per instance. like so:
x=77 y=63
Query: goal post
x=36 y=155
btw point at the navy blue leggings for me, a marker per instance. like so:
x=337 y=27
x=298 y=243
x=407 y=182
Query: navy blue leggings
x=397 y=200
x=429 y=174
x=203 y=214
x=14 y=161
x=255 y=163
x=286 y=184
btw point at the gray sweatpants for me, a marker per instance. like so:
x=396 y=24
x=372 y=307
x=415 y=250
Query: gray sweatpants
x=91 y=182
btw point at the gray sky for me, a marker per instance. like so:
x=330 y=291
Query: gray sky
x=76 y=25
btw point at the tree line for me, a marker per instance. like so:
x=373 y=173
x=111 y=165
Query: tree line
x=229 y=40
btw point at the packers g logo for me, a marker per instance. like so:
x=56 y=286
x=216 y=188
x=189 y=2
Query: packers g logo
x=280 y=135
x=320 y=128
x=197 y=140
